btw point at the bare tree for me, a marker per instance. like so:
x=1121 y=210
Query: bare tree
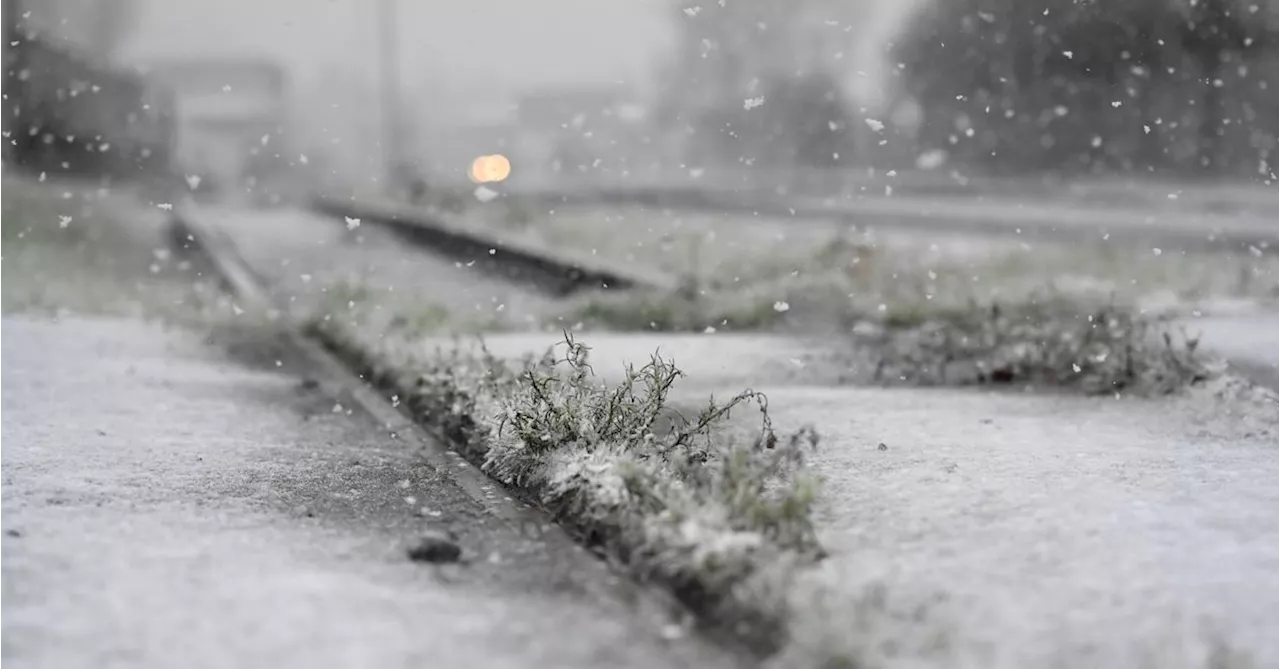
x=1216 y=34
x=1065 y=86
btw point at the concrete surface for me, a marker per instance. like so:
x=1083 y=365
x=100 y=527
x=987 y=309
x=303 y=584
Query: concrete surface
x=1060 y=532
x=720 y=359
x=172 y=501
x=1011 y=529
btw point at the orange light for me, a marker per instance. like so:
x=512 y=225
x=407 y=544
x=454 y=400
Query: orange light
x=489 y=169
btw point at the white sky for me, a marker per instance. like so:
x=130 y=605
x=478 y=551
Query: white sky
x=485 y=45
x=462 y=61
x=482 y=49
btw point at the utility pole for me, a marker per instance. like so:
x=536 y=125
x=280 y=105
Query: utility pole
x=389 y=65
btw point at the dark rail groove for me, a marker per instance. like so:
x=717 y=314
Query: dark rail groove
x=560 y=274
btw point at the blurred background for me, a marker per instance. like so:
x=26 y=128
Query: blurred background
x=266 y=100
x=817 y=198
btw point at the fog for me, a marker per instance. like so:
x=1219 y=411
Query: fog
x=749 y=89
x=1006 y=269
x=462 y=64
x=488 y=48
x=484 y=46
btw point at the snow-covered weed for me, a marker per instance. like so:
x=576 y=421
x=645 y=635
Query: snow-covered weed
x=1051 y=342
x=724 y=523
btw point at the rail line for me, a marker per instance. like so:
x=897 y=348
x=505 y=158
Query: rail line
x=562 y=271
x=558 y=271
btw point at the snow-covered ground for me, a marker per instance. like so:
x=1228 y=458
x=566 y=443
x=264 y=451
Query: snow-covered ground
x=992 y=529
x=987 y=529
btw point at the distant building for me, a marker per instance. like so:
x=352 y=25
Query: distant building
x=231 y=117
x=242 y=97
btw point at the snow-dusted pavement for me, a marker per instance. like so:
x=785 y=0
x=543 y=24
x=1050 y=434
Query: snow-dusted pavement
x=1023 y=529
x=168 y=504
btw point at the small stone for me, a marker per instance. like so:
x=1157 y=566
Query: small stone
x=882 y=447
x=435 y=548
x=309 y=384
x=13 y=533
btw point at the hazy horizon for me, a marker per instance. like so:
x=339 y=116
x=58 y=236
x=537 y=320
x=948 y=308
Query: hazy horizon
x=480 y=50
x=462 y=64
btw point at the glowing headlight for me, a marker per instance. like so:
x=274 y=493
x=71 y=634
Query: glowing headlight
x=490 y=169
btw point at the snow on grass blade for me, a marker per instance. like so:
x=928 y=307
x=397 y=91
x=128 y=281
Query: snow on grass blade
x=1052 y=342
x=723 y=522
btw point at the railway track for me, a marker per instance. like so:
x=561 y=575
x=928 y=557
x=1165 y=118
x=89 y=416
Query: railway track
x=557 y=271
x=560 y=272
